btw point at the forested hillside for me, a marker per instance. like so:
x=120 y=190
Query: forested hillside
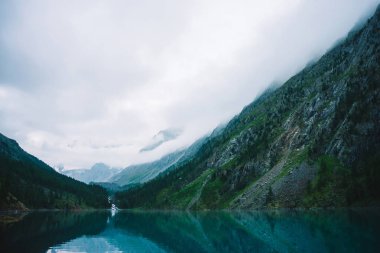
x=314 y=141
x=28 y=183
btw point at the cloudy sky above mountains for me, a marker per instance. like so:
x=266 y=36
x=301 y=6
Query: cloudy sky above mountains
x=89 y=81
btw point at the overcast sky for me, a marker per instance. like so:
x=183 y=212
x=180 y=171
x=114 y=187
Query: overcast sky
x=94 y=81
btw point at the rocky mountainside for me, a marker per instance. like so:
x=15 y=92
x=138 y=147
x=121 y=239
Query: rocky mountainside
x=141 y=173
x=314 y=141
x=27 y=182
x=99 y=172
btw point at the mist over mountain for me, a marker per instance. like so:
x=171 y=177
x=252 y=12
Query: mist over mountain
x=83 y=81
x=162 y=137
x=80 y=84
x=189 y=126
x=99 y=172
x=141 y=173
x=313 y=142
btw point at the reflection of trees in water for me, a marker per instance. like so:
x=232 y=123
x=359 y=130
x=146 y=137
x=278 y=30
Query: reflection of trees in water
x=37 y=231
x=257 y=231
x=194 y=232
x=10 y=217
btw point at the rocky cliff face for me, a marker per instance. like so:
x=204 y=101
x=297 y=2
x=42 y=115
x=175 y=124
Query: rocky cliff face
x=312 y=142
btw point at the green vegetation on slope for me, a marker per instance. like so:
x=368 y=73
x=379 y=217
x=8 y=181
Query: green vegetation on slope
x=26 y=182
x=311 y=142
x=336 y=185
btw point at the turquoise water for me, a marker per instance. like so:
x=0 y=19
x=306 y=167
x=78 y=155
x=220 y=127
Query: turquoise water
x=132 y=231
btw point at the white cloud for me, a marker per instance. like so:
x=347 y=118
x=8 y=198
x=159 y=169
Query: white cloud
x=88 y=81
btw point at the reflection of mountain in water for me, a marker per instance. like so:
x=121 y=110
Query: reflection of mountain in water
x=110 y=240
x=286 y=231
x=37 y=231
x=333 y=231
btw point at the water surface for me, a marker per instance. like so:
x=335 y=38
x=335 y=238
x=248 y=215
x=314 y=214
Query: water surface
x=135 y=231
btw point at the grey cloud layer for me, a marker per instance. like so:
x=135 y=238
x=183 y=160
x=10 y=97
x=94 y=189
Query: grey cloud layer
x=86 y=81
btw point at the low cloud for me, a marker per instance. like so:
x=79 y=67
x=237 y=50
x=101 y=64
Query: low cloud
x=162 y=137
x=84 y=81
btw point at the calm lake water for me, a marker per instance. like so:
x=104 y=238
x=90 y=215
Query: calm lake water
x=132 y=231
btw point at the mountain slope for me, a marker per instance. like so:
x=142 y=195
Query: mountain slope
x=26 y=182
x=99 y=172
x=314 y=141
x=141 y=173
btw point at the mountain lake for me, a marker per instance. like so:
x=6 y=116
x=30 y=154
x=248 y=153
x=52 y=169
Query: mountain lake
x=342 y=230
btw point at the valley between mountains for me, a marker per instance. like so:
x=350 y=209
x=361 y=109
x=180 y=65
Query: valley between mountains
x=313 y=141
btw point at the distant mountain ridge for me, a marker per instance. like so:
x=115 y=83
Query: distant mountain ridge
x=115 y=179
x=99 y=172
x=27 y=182
x=141 y=173
x=162 y=137
x=313 y=142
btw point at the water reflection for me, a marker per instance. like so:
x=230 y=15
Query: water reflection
x=133 y=231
